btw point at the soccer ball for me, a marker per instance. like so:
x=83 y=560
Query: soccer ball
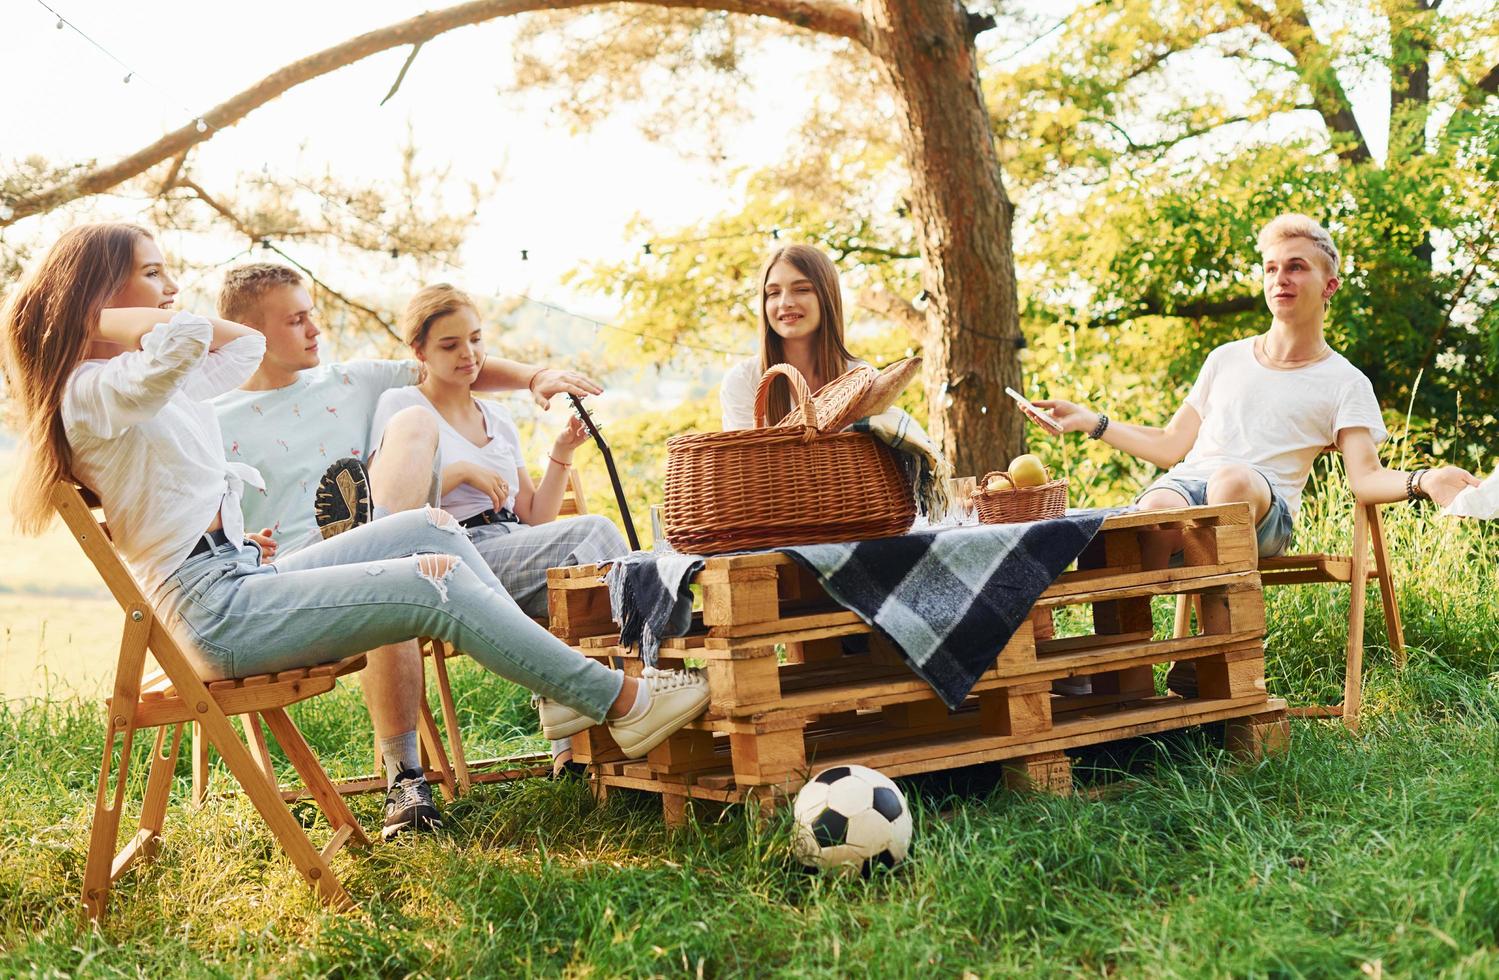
x=850 y=818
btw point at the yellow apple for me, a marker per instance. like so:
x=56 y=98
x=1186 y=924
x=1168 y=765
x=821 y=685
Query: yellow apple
x=998 y=484
x=1028 y=471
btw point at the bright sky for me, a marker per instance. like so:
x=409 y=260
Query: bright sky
x=564 y=197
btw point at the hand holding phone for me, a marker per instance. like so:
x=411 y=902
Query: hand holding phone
x=1040 y=416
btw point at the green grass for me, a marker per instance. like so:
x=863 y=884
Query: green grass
x=1367 y=855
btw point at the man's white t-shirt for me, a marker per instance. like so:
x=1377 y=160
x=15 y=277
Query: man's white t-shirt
x=1275 y=421
x=292 y=434
x=501 y=454
x=736 y=396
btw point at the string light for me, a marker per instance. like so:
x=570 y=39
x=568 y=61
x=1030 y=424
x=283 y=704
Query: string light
x=130 y=73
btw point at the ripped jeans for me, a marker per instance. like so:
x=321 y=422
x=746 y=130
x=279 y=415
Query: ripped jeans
x=385 y=582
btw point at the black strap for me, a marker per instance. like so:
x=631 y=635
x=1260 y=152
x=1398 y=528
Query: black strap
x=502 y=516
x=619 y=493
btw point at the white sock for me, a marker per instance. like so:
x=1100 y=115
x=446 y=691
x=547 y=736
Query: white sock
x=642 y=702
x=400 y=753
x=561 y=745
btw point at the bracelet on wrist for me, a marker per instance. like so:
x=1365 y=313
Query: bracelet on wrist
x=565 y=465
x=1413 y=491
x=1100 y=428
x=531 y=384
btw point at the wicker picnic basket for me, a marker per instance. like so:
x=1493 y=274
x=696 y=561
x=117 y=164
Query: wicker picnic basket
x=1019 y=504
x=779 y=485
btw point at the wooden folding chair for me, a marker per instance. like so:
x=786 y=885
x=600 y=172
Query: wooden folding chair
x=486 y=770
x=176 y=695
x=1355 y=570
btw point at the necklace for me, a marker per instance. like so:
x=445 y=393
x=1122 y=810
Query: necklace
x=1291 y=362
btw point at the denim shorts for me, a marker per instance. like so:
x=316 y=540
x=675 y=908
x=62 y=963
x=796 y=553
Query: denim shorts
x=1273 y=533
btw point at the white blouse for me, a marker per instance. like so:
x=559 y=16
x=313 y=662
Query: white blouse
x=145 y=439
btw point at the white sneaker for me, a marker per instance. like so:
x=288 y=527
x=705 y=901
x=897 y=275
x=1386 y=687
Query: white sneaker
x=676 y=697
x=558 y=720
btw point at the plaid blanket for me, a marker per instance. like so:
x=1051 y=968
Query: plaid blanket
x=948 y=599
x=920 y=459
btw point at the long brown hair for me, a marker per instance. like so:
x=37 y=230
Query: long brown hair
x=832 y=355
x=48 y=323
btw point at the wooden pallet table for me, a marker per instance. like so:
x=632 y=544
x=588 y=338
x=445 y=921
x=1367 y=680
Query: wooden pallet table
x=798 y=684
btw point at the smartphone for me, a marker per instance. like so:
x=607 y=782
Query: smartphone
x=1039 y=415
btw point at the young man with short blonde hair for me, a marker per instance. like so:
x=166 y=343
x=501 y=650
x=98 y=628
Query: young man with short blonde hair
x=1264 y=407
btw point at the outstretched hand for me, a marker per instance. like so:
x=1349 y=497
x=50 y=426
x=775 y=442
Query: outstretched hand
x=1070 y=416
x=556 y=381
x=1444 y=483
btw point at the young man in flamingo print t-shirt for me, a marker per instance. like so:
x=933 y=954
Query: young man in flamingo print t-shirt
x=296 y=417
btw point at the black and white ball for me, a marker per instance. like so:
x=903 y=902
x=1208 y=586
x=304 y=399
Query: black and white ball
x=850 y=818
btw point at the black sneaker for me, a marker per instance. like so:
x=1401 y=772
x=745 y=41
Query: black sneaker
x=409 y=806
x=343 y=497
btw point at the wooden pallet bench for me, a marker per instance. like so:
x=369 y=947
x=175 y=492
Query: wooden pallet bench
x=798 y=684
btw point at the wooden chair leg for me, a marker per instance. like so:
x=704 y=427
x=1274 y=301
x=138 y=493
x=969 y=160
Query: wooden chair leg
x=315 y=778
x=105 y=831
x=1183 y=625
x=1393 y=627
x=450 y=717
x=119 y=734
x=159 y=788
x=259 y=751
x=267 y=801
x=201 y=769
x=437 y=758
x=1353 y=682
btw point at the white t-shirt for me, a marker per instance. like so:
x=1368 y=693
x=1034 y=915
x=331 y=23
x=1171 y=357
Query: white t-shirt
x=736 y=396
x=501 y=454
x=292 y=434
x=1275 y=421
x=145 y=440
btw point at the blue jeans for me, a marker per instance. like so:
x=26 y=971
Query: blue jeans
x=1272 y=533
x=364 y=589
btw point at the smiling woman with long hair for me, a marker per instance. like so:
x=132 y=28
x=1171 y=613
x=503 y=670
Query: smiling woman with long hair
x=113 y=392
x=801 y=324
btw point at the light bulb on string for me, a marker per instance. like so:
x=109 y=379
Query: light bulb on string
x=60 y=23
x=525 y=255
x=201 y=125
x=128 y=76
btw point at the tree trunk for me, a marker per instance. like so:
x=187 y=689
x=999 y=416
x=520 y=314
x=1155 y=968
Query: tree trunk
x=963 y=220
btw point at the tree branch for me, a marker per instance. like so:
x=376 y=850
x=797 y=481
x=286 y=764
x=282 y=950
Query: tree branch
x=1153 y=306
x=831 y=17
x=893 y=307
x=1289 y=27
x=401 y=75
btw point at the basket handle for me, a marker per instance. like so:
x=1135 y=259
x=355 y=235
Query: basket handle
x=799 y=391
x=983 y=487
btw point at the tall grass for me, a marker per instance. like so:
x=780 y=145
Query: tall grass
x=1366 y=855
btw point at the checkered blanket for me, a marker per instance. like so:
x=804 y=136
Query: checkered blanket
x=948 y=599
